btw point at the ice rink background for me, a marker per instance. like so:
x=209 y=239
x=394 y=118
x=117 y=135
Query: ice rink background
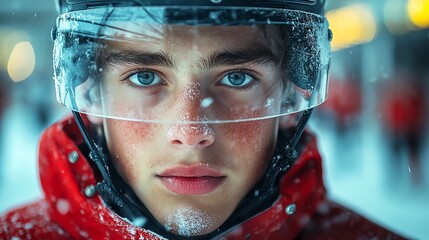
x=362 y=169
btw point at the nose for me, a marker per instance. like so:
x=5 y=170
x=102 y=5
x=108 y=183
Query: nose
x=186 y=134
x=191 y=135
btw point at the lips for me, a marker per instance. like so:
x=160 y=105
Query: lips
x=193 y=180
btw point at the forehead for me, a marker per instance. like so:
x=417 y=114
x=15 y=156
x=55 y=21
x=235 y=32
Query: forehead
x=173 y=38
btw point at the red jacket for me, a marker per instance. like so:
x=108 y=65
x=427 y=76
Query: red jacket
x=66 y=213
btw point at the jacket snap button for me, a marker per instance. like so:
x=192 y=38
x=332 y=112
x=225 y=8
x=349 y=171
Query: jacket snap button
x=73 y=157
x=90 y=191
x=290 y=209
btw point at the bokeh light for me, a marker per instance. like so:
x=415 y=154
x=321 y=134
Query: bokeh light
x=21 y=61
x=351 y=25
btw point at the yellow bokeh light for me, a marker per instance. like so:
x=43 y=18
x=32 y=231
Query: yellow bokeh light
x=351 y=25
x=21 y=61
x=418 y=12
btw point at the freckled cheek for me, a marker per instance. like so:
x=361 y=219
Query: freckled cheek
x=253 y=140
x=249 y=134
x=128 y=143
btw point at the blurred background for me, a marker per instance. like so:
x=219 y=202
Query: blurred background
x=372 y=132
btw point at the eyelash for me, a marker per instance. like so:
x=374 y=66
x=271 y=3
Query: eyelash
x=251 y=73
x=129 y=74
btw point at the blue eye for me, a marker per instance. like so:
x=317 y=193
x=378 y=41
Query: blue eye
x=237 y=79
x=145 y=78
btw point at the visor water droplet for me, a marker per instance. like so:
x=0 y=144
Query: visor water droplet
x=206 y=102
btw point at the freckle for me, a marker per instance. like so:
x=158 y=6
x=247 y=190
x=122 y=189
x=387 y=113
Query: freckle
x=245 y=132
x=140 y=130
x=130 y=137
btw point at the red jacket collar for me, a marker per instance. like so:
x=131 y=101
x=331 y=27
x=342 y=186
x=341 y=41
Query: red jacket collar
x=64 y=184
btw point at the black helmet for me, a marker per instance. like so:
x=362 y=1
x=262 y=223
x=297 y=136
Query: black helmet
x=295 y=38
x=312 y=6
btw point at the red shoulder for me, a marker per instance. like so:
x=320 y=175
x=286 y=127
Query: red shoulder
x=333 y=221
x=31 y=222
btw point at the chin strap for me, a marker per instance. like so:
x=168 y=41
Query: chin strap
x=106 y=188
x=286 y=155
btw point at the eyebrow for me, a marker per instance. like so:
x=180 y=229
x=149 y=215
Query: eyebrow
x=248 y=55
x=145 y=58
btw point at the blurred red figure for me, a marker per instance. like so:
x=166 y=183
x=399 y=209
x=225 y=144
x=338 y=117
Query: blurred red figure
x=344 y=101
x=402 y=111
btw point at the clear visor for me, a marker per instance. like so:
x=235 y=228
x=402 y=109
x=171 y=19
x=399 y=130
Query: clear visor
x=176 y=64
